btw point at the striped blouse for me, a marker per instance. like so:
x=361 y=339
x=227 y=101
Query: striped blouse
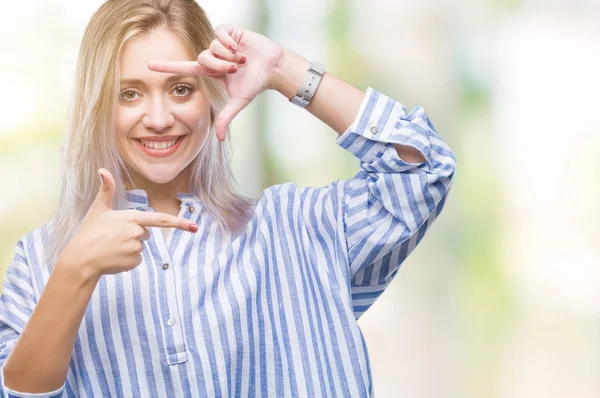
x=270 y=312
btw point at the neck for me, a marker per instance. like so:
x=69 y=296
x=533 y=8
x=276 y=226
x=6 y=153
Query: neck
x=163 y=197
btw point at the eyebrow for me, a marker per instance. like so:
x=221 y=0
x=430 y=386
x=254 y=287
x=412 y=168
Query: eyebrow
x=137 y=82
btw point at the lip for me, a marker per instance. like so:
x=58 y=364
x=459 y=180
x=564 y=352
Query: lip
x=160 y=153
x=159 y=138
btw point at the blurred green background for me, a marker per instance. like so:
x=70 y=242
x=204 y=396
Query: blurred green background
x=501 y=298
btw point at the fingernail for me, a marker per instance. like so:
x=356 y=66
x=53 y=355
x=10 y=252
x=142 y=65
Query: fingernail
x=233 y=48
x=101 y=178
x=243 y=60
x=194 y=227
x=232 y=69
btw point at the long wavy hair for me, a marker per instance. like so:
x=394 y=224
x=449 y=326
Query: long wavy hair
x=90 y=137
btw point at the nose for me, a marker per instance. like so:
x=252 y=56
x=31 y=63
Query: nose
x=158 y=117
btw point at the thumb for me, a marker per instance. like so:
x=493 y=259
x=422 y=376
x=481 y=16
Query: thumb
x=107 y=190
x=231 y=110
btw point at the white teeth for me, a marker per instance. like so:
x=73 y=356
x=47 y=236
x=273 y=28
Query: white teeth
x=158 y=144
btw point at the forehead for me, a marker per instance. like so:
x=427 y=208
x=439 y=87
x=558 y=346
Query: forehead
x=156 y=45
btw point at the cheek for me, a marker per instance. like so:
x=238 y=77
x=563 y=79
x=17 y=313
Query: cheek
x=195 y=116
x=126 y=118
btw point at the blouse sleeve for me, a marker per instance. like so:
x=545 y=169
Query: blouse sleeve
x=390 y=204
x=16 y=305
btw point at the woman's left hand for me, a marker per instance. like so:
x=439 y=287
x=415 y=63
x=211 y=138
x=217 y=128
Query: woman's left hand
x=244 y=60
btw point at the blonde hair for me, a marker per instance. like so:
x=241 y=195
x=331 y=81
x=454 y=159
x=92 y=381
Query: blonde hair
x=90 y=140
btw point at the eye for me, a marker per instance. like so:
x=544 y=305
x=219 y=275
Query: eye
x=182 y=90
x=129 y=95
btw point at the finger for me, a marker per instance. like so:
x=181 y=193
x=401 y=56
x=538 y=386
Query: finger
x=219 y=51
x=225 y=35
x=231 y=110
x=135 y=248
x=107 y=190
x=179 y=67
x=212 y=63
x=141 y=233
x=162 y=220
x=146 y=234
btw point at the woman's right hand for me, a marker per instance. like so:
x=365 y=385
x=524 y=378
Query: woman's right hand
x=111 y=241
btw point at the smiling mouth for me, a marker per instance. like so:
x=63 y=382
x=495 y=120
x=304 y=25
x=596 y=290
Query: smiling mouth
x=160 y=144
x=159 y=148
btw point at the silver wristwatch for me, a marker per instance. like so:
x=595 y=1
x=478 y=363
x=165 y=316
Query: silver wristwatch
x=306 y=92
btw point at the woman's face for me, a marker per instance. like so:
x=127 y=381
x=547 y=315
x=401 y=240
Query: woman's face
x=162 y=119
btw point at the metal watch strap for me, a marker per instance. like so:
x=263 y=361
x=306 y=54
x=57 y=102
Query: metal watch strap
x=306 y=92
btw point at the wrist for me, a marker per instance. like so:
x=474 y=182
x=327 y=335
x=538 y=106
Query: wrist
x=80 y=270
x=289 y=73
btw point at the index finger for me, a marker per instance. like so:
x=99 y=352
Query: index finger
x=179 y=67
x=224 y=34
x=162 y=220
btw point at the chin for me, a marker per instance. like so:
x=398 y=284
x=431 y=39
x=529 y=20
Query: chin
x=161 y=179
x=160 y=175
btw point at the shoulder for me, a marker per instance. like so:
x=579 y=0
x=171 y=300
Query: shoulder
x=32 y=245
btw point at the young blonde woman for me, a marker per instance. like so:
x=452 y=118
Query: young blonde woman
x=157 y=279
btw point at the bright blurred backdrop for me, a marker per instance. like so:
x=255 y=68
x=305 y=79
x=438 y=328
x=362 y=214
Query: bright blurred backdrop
x=502 y=297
